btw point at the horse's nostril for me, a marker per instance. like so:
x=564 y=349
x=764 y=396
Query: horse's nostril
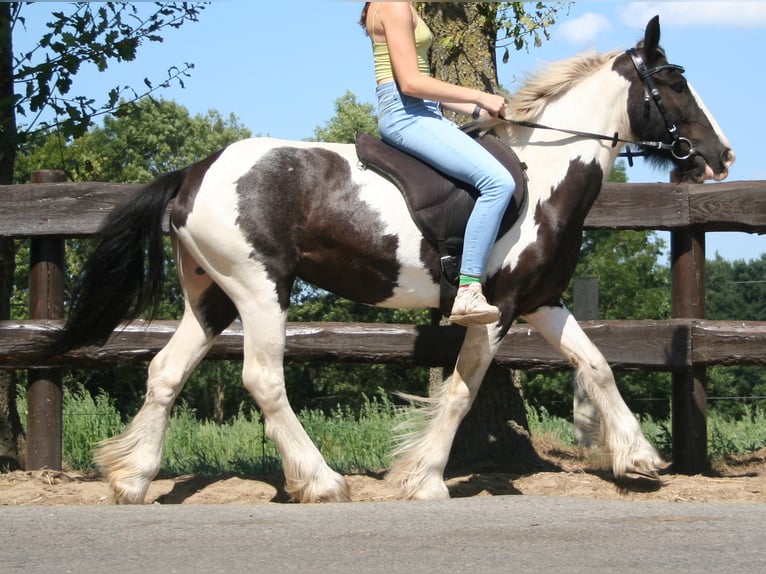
x=729 y=157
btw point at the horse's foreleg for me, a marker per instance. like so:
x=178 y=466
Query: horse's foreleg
x=307 y=476
x=420 y=460
x=632 y=454
x=131 y=460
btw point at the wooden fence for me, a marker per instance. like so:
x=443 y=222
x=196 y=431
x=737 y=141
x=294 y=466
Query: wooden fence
x=48 y=212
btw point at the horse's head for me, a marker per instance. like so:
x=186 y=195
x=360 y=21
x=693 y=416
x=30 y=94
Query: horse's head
x=664 y=108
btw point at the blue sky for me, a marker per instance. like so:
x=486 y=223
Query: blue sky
x=279 y=66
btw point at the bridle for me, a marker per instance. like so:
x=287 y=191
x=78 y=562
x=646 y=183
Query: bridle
x=681 y=148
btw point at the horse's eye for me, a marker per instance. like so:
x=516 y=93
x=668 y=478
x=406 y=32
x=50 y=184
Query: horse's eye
x=681 y=87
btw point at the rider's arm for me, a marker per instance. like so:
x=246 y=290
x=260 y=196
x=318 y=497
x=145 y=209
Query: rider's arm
x=399 y=29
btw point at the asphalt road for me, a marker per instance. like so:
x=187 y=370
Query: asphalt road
x=477 y=535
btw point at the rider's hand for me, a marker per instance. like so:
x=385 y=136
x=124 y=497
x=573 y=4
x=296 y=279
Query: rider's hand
x=494 y=104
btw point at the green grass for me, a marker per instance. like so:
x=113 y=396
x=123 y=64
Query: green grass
x=727 y=436
x=351 y=441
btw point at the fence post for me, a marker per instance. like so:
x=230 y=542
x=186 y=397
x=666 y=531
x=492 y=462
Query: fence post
x=46 y=301
x=687 y=253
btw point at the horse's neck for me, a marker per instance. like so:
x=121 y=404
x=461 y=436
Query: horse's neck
x=596 y=105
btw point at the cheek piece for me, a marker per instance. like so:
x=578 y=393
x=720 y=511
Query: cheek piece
x=681 y=148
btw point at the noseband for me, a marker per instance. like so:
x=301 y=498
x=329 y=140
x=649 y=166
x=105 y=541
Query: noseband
x=681 y=148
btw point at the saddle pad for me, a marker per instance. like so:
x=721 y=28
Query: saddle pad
x=439 y=205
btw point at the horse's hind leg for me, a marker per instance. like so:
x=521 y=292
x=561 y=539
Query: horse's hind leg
x=254 y=279
x=307 y=476
x=131 y=460
x=632 y=454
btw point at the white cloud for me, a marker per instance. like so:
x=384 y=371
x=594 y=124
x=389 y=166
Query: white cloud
x=585 y=29
x=734 y=14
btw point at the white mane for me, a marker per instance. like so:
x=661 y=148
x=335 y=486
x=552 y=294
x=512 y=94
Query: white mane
x=555 y=79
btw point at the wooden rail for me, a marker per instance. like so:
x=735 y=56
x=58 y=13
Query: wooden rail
x=78 y=209
x=673 y=345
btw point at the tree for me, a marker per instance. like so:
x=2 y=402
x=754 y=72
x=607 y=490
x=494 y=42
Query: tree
x=143 y=140
x=96 y=33
x=735 y=290
x=10 y=425
x=470 y=34
x=350 y=117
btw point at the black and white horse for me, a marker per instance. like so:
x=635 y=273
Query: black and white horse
x=252 y=218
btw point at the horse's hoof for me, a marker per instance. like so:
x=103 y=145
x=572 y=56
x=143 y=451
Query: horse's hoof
x=431 y=494
x=652 y=474
x=643 y=470
x=433 y=489
x=123 y=494
x=336 y=490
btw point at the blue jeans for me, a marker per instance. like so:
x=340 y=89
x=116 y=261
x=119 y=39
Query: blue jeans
x=418 y=127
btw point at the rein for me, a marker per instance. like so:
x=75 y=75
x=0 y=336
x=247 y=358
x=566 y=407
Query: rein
x=681 y=148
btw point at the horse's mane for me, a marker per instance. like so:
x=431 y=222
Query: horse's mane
x=554 y=79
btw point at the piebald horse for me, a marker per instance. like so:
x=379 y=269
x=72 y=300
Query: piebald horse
x=249 y=220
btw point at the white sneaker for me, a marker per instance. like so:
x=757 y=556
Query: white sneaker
x=471 y=308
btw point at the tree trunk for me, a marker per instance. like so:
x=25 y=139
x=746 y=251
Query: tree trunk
x=10 y=426
x=494 y=435
x=463 y=51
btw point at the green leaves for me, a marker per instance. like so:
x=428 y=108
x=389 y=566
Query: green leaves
x=519 y=23
x=144 y=139
x=350 y=117
x=91 y=33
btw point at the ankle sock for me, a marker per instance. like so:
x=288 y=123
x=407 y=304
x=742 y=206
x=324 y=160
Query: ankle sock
x=466 y=280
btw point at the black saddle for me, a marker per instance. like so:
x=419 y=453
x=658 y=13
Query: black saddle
x=440 y=205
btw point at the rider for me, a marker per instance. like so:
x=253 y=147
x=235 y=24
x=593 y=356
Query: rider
x=409 y=118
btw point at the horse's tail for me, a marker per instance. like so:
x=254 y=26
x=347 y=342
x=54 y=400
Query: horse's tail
x=124 y=276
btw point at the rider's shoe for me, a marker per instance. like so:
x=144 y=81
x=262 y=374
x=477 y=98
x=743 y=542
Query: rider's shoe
x=471 y=308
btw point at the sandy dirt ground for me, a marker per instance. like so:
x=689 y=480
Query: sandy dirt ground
x=572 y=473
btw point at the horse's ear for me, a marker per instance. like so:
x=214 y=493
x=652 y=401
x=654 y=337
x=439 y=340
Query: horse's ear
x=652 y=38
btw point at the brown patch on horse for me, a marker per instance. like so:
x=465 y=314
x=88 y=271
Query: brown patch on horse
x=539 y=279
x=301 y=208
x=216 y=309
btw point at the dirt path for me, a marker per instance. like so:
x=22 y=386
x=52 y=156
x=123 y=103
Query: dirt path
x=741 y=481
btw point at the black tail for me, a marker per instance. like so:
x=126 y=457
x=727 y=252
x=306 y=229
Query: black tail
x=124 y=276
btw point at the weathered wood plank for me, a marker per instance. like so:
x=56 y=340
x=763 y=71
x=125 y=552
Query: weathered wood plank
x=650 y=345
x=78 y=209
x=639 y=206
x=724 y=206
x=729 y=343
x=734 y=206
x=58 y=209
x=647 y=345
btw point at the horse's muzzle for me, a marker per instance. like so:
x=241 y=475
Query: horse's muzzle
x=728 y=157
x=699 y=170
